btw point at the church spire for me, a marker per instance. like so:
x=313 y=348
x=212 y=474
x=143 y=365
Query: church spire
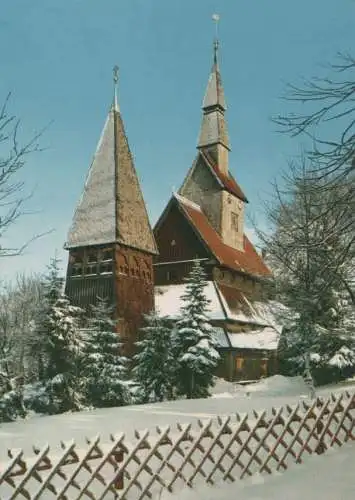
x=213 y=137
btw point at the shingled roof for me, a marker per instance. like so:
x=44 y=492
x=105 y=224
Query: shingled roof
x=247 y=261
x=111 y=208
x=214 y=128
x=227 y=181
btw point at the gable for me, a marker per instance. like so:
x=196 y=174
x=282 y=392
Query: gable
x=203 y=187
x=176 y=239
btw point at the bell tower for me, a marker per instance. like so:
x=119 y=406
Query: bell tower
x=110 y=242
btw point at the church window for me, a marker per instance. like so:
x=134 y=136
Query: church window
x=239 y=362
x=234 y=221
x=77 y=265
x=106 y=261
x=90 y=269
x=171 y=276
x=106 y=267
x=106 y=254
x=91 y=257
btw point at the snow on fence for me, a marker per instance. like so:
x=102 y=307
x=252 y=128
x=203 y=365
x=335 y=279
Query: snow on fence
x=225 y=448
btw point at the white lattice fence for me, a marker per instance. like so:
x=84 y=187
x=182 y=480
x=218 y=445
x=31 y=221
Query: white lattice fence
x=225 y=448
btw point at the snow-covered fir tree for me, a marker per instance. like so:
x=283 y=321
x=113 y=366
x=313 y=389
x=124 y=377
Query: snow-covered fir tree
x=104 y=369
x=52 y=286
x=154 y=362
x=194 y=348
x=64 y=352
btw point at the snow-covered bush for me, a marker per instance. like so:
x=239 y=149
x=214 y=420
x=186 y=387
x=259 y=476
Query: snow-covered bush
x=332 y=354
x=11 y=398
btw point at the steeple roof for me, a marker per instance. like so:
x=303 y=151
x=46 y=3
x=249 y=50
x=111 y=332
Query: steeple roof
x=111 y=208
x=214 y=128
x=214 y=95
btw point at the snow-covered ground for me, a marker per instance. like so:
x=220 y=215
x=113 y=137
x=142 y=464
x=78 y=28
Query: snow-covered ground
x=227 y=399
x=325 y=477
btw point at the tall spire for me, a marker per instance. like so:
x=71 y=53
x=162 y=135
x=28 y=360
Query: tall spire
x=111 y=208
x=214 y=134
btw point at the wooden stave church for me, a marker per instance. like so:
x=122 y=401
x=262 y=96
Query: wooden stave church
x=138 y=268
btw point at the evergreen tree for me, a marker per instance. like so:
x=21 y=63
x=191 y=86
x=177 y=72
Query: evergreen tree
x=64 y=353
x=104 y=369
x=154 y=362
x=195 y=351
x=52 y=286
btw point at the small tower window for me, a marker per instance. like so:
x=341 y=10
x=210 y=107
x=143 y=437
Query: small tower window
x=91 y=263
x=106 y=261
x=91 y=257
x=106 y=267
x=106 y=254
x=77 y=265
x=234 y=221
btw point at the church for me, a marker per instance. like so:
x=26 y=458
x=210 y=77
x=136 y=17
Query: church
x=115 y=253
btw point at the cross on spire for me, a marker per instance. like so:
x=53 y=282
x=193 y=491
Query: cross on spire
x=216 y=18
x=115 y=85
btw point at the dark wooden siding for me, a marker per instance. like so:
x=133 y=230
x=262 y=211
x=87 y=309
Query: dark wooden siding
x=83 y=291
x=176 y=242
x=134 y=293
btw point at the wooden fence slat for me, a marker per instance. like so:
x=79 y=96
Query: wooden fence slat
x=251 y=435
x=208 y=453
x=259 y=442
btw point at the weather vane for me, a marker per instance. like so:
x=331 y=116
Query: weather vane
x=115 y=74
x=115 y=80
x=215 y=17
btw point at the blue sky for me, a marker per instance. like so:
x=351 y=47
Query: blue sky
x=57 y=59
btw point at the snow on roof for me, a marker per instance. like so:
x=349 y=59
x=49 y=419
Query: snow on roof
x=272 y=313
x=220 y=336
x=187 y=202
x=168 y=300
x=265 y=339
x=239 y=308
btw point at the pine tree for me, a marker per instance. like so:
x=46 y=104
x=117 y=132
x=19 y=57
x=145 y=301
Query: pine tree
x=64 y=353
x=104 y=369
x=154 y=362
x=52 y=285
x=195 y=351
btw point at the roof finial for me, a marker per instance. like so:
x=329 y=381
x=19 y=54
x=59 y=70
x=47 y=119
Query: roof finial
x=115 y=85
x=215 y=18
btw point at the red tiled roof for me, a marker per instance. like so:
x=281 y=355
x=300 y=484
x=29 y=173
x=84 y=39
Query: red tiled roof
x=247 y=261
x=228 y=181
